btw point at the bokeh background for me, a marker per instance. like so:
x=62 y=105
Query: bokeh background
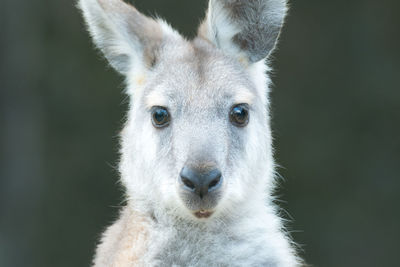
x=336 y=121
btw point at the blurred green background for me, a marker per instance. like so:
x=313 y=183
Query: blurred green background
x=336 y=121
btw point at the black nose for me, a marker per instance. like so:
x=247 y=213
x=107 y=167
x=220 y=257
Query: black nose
x=201 y=181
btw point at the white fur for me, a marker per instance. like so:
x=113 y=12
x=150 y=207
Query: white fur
x=156 y=228
x=221 y=29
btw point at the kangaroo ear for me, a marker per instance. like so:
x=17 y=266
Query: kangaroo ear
x=126 y=37
x=246 y=29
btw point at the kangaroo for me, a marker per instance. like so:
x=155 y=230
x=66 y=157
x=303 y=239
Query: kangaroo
x=196 y=150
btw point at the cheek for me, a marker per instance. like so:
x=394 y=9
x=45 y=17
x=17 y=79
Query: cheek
x=147 y=145
x=166 y=187
x=245 y=149
x=259 y=158
x=143 y=138
x=255 y=146
x=249 y=161
x=237 y=169
x=149 y=141
x=156 y=159
x=141 y=144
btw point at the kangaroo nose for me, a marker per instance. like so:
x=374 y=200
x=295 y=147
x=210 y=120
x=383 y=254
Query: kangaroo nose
x=201 y=181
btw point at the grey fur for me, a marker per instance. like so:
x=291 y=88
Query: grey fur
x=259 y=23
x=122 y=23
x=198 y=84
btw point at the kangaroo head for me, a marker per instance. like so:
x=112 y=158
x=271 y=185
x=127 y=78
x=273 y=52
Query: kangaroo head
x=197 y=140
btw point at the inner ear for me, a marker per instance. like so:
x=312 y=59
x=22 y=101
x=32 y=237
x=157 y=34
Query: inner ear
x=244 y=27
x=257 y=42
x=127 y=38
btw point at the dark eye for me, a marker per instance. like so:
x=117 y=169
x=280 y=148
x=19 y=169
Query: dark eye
x=239 y=115
x=160 y=117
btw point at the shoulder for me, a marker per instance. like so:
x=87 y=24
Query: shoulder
x=124 y=242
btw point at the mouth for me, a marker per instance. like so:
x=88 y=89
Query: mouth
x=203 y=214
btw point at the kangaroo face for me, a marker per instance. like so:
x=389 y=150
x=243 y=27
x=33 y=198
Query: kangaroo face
x=197 y=140
x=204 y=121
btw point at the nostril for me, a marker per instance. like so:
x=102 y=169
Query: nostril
x=188 y=183
x=214 y=182
x=200 y=181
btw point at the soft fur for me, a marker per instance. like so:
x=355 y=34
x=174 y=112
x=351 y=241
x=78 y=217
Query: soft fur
x=199 y=81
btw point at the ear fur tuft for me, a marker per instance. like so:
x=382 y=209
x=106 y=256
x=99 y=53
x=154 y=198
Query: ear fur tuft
x=244 y=27
x=126 y=37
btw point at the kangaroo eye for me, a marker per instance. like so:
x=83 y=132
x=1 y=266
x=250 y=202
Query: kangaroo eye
x=239 y=115
x=160 y=117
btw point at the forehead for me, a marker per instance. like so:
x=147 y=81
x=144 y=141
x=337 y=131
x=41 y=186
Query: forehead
x=198 y=73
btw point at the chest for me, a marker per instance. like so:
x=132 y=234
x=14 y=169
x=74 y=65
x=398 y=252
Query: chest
x=188 y=248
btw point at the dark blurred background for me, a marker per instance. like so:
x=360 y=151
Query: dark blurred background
x=336 y=121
